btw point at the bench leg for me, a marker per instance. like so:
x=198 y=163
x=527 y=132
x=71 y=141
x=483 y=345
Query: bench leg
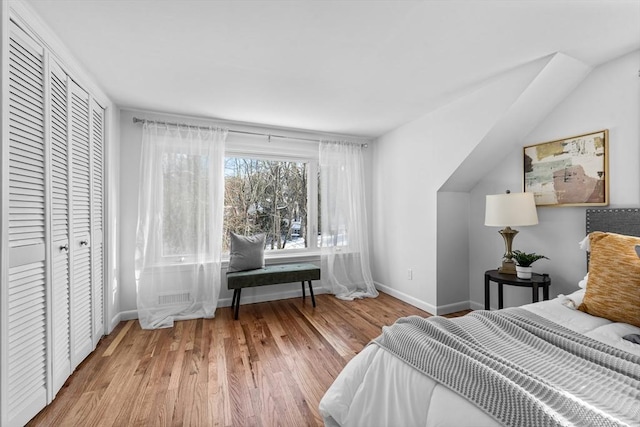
x=313 y=298
x=236 y=300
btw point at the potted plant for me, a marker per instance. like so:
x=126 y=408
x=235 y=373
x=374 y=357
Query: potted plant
x=524 y=261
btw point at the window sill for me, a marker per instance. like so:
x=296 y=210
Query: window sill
x=271 y=259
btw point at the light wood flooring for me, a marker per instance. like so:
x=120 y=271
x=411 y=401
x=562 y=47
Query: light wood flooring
x=269 y=368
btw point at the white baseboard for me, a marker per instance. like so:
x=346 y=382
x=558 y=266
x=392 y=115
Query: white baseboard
x=439 y=310
x=452 y=308
x=128 y=315
x=226 y=302
x=479 y=306
x=114 y=322
x=121 y=317
x=275 y=296
x=406 y=298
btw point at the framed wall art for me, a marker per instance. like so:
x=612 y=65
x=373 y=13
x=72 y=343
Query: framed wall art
x=569 y=172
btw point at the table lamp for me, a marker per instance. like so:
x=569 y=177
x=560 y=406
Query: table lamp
x=506 y=210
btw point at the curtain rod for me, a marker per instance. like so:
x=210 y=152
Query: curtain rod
x=244 y=132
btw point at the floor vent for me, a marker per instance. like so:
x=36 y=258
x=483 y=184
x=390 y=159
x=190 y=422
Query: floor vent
x=174 y=298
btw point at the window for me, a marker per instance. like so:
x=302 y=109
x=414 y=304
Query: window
x=271 y=196
x=271 y=189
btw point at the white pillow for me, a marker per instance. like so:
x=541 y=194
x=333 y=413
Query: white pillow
x=584 y=244
x=583 y=283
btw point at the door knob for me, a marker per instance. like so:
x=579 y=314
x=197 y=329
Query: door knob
x=64 y=248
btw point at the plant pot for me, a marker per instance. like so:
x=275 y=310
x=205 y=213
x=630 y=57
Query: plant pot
x=523 y=272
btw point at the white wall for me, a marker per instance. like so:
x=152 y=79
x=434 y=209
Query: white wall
x=453 y=251
x=130 y=141
x=609 y=98
x=411 y=164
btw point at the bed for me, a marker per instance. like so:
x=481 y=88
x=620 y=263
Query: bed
x=567 y=361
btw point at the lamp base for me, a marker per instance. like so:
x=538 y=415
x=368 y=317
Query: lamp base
x=508 y=267
x=508 y=264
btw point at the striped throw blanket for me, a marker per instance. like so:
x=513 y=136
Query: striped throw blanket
x=522 y=369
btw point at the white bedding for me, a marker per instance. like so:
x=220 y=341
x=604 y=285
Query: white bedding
x=378 y=389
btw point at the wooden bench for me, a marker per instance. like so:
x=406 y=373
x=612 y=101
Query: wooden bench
x=271 y=275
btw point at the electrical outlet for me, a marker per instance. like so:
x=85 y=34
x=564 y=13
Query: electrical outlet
x=410 y=274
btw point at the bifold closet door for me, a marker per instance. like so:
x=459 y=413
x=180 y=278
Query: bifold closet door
x=52 y=250
x=25 y=295
x=82 y=297
x=60 y=310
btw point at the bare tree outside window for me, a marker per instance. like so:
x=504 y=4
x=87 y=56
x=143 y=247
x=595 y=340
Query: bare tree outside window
x=266 y=196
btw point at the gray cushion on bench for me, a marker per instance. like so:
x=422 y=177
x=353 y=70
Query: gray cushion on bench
x=273 y=274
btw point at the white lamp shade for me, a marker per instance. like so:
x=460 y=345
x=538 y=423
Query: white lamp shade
x=510 y=209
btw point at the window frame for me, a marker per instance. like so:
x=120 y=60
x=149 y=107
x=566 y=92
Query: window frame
x=312 y=249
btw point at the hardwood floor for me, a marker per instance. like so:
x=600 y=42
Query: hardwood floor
x=271 y=367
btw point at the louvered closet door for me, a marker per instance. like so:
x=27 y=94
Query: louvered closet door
x=81 y=287
x=97 y=217
x=24 y=364
x=60 y=346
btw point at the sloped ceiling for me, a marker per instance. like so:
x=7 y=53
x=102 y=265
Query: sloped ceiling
x=531 y=102
x=352 y=67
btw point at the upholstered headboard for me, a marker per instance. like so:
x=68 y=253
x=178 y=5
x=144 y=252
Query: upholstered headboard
x=621 y=221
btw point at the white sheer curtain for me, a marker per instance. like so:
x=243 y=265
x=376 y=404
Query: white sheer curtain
x=180 y=214
x=345 y=245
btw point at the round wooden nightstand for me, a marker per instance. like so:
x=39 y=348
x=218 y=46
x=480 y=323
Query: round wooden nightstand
x=536 y=282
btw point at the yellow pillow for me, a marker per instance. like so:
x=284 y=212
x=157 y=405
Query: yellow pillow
x=613 y=287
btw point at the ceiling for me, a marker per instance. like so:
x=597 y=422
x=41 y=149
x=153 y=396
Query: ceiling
x=360 y=68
